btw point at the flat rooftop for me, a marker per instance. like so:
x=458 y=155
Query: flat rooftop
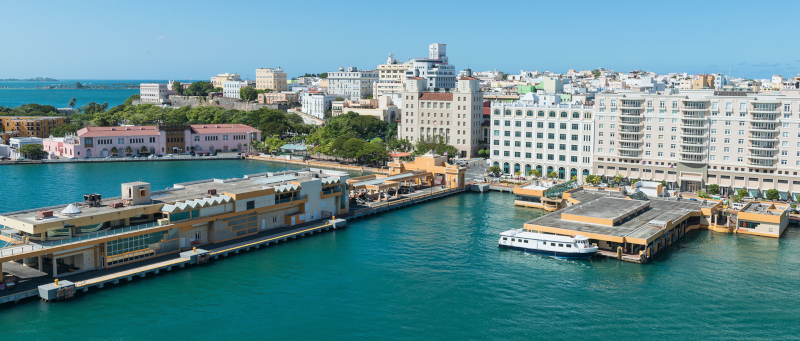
x=183 y=192
x=762 y=208
x=608 y=204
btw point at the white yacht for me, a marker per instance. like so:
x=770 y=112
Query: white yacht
x=548 y=244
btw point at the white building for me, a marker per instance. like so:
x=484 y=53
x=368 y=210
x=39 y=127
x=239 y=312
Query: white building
x=230 y=89
x=352 y=82
x=317 y=105
x=531 y=134
x=435 y=69
x=455 y=114
x=16 y=142
x=155 y=93
x=694 y=138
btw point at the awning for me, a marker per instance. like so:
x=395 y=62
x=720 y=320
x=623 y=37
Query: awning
x=399 y=154
x=691 y=178
x=784 y=195
x=752 y=192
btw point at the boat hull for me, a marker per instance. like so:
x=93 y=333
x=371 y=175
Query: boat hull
x=557 y=254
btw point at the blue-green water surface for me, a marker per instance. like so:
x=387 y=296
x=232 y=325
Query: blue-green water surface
x=431 y=271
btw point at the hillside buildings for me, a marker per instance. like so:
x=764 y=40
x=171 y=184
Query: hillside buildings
x=381 y=108
x=155 y=93
x=92 y=142
x=269 y=78
x=231 y=89
x=28 y=126
x=318 y=104
x=224 y=77
x=453 y=114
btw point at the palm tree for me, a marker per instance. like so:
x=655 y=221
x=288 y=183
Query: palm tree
x=517 y=173
x=114 y=150
x=552 y=174
x=72 y=103
x=537 y=173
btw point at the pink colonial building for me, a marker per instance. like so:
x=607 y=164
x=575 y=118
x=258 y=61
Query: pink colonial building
x=224 y=137
x=137 y=140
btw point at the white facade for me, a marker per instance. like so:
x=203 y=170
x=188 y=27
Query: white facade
x=435 y=69
x=352 y=82
x=694 y=138
x=528 y=135
x=317 y=105
x=155 y=93
x=16 y=142
x=230 y=89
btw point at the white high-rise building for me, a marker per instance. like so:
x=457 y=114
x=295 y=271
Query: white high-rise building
x=694 y=138
x=535 y=135
x=435 y=69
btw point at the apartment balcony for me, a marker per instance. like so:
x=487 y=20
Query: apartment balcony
x=694 y=126
x=765 y=128
x=762 y=164
x=769 y=147
x=692 y=134
x=630 y=131
x=692 y=143
x=764 y=111
x=763 y=137
x=630 y=139
x=631 y=124
x=690 y=151
x=692 y=159
x=629 y=155
x=629 y=148
x=693 y=117
x=770 y=118
x=687 y=110
x=631 y=105
x=762 y=156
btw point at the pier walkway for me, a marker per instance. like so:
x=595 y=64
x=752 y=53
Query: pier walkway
x=29 y=285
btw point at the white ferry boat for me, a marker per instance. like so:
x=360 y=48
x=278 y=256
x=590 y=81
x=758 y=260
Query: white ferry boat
x=548 y=244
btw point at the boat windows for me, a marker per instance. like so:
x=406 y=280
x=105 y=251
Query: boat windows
x=526 y=240
x=504 y=238
x=552 y=244
x=569 y=245
x=560 y=245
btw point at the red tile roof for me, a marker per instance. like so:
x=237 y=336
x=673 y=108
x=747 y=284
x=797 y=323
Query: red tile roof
x=487 y=111
x=467 y=79
x=415 y=78
x=118 y=131
x=399 y=154
x=222 y=128
x=436 y=96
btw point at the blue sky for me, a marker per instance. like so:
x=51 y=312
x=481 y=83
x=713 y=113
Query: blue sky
x=196 y=39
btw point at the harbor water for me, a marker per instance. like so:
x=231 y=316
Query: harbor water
x=16 y=93
x=431 y=271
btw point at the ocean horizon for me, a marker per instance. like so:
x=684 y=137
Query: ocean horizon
x=16 y=93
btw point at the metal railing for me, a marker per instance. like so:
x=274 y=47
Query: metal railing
x=100 y=234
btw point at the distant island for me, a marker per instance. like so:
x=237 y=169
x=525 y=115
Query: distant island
x=37 y=79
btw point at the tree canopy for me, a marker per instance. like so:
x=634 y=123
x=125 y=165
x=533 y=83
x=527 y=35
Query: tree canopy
x=201 y=88
x=32 y=151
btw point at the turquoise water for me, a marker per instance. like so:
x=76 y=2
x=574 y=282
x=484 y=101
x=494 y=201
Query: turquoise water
x=431 y=271
x=14 y=94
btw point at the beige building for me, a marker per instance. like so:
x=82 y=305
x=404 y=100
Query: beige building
x=695 y=138
x=455 y=115
x=269 y=78
x=278 y=97
x=381 y=108
x=221 y=78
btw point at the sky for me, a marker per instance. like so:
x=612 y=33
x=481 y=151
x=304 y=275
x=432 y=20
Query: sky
x=197 y=39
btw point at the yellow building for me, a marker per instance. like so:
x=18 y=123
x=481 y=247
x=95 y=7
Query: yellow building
x=221 y=78
x=269 y=78
x=703 y=82
x=429 y=170
x=543 y=194
x=762 y=219
x=27 y=126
